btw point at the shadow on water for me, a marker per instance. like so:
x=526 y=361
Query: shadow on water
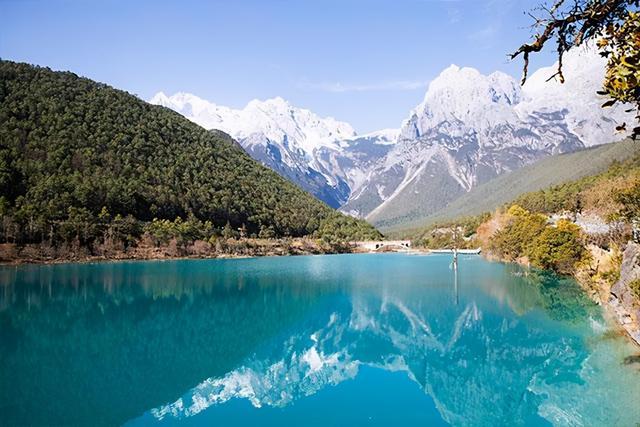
x=561 y=297
x=629 y=360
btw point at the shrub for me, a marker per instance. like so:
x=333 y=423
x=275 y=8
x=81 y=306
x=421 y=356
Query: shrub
x=163 y=230
x=558 y=248
x=515 y=239
x=630 y=200
x=635 y=287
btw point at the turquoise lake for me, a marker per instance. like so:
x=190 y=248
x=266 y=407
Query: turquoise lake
x=339 y=340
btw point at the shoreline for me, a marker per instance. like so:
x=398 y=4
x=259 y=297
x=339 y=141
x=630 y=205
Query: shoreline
x=617 y=314
x=15 y=255
x=105 y=260
x=101 y=259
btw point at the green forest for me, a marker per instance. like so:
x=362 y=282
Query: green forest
x=82 y=162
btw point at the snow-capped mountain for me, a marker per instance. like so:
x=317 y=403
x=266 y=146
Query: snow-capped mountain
x=472 y=127
x=322 y=155
x=468 y=129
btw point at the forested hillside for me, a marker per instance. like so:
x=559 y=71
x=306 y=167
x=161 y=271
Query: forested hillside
x=606 y=194
x=81 y=161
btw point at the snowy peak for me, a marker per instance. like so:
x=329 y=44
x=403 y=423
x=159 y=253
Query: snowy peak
x=466 y=100
x=469 y=84
x=472 y=127
x=297 y=143
x=274 y=118
x=277 y=103
x=182 y=102
x=464 y=96
x=582 y=67
x=277 y=119
x=160 y=99
x=583 y=70
x=469 y=128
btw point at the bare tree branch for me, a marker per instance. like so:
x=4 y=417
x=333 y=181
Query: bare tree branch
x=615 y=24
x=593 y=15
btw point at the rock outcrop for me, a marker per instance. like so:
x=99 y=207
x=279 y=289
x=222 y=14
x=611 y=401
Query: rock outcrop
x=624 y=299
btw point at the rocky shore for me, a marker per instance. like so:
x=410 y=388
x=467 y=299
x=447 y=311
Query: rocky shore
x=624 y=297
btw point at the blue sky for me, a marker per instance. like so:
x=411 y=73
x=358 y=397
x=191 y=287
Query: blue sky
x=363 y=61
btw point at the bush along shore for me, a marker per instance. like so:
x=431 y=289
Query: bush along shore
x=587 y=229
x=606 y=264
x=569 y=245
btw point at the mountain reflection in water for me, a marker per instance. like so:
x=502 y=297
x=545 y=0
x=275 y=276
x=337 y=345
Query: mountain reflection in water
x=189 y=341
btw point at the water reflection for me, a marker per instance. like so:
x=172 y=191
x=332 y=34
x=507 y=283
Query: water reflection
x=188 y=337
x=456 y=362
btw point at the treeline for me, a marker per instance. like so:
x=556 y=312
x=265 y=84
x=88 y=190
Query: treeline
x=83 y=162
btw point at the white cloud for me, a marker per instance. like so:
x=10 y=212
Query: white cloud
x=483 y=34
x=455 y=15
x=338 y=87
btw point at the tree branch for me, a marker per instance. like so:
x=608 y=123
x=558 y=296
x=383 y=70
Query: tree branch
x=593 y=17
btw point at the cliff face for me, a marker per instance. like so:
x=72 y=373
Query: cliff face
x=623 y=298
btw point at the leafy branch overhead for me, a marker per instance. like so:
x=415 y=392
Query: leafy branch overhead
x=613 y=24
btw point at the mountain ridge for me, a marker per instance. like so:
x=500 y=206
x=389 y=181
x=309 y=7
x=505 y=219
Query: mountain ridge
x=295 y=142
x=468 y=128
x=463 y=135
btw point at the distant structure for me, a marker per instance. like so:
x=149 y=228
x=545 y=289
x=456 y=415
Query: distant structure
x=382 y=244
x=457 y=251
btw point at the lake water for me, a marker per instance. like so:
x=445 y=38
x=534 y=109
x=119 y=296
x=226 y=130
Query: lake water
x=341 y=340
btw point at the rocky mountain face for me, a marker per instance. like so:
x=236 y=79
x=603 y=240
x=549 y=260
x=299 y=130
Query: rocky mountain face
x=468 y=129
x=545 y=173
x=471 y=127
